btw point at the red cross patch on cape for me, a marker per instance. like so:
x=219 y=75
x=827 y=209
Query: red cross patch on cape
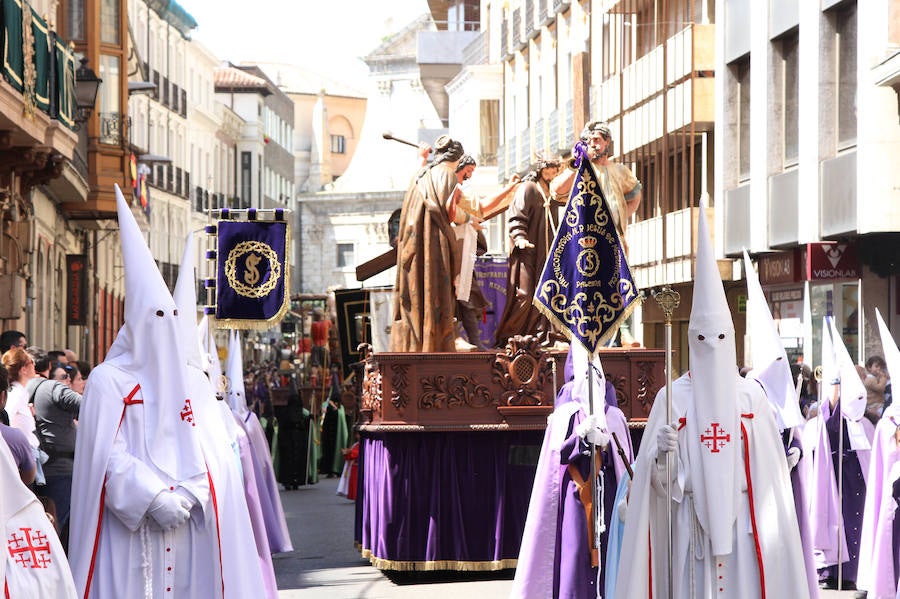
x=187 y=413
x=29 y=548
x=715 y=438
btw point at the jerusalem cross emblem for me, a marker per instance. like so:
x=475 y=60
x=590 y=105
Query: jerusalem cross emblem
x=715 y=438
x=187 y=413
x=29 y=548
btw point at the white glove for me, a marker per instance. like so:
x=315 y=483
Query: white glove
x=169 y=509
x=590 y=431
x=622 y=510
x=793 y=456
x=189 y=500
x=667 y=439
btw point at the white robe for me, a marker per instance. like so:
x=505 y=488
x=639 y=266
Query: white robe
x=230 y=514
x=117 y=549
x=696 y=572
x=34 y=565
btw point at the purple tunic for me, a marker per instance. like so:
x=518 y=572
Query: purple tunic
x=270 y=501
x=798 y=486
x=853 y=493
x=573 y=575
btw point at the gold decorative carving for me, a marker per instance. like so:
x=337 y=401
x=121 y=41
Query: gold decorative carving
x=522 y=372
x=454 y=391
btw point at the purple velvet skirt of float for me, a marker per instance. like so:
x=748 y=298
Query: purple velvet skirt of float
x=444 y=500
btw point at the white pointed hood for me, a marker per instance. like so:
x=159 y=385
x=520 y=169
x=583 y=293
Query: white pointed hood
x=712 y=425
x=185 y=296
x=149 y=348
x=211 y=363
x=770 y=362
x=234 y=370
x=891 y=357
x=853 y=392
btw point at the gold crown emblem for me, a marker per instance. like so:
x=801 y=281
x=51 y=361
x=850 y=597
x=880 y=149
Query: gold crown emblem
x=587 y=242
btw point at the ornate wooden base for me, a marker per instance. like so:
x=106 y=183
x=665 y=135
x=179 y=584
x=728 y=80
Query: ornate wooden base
x=509 y=389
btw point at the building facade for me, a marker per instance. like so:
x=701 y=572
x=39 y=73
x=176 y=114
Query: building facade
x=808 y=133
x=648 y=69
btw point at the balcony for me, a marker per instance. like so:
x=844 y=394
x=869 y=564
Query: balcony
x=737 y=220
x=530 y=31
x=679 y=78
x=540 y=138
x=38 y=115
x=839 y=201
x=524 y=150
x=783 y=209
x=553 y=131
x=661 y=249
x=518 y=42
x=569 y=126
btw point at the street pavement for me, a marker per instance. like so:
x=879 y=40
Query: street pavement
x=325 y=564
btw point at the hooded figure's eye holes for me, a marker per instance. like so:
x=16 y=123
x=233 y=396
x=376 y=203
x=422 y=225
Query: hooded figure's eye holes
x=176 y=312
x=721 y=335
x=160 y=313
x=701 y=337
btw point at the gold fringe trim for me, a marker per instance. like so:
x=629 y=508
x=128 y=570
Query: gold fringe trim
x=610 y=333
x=265 y=325
x=431 y=566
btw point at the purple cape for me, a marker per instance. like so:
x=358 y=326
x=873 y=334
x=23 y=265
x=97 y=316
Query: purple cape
x=563 y=568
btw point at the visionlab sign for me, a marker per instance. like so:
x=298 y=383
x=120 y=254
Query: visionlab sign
x=831 y=261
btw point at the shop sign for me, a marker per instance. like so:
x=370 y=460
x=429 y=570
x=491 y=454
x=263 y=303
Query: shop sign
x=779 y=268
x=76 y=289
x=831 y=261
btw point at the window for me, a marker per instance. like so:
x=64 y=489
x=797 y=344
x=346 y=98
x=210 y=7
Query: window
x=338 y=144
x=109 y=91
x=109 y=21
x=76 y=19
x=791 y=72
x=345 y=255
x=489 y=115
x=846 y=28
x=742 y=77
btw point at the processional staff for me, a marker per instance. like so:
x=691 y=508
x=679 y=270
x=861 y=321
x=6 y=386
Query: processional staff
x=668 y=299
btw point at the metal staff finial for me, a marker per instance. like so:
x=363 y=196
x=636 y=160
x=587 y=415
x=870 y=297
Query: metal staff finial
x=668 y=300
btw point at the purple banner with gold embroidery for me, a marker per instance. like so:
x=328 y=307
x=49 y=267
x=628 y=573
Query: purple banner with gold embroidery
x=586 y=288
x=252 y=273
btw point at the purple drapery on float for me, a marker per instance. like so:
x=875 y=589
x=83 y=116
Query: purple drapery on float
x=442 y=501
x=586 y=289
x=491 y=274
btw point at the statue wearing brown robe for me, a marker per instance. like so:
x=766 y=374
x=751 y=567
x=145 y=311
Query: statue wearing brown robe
x=531 y=223
x=424 y=298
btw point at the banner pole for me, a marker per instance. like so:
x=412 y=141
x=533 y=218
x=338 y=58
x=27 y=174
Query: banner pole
x=668 y=299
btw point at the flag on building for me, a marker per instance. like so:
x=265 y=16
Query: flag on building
x=586 y=288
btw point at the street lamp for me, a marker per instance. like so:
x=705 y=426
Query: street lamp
x=87 y=84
